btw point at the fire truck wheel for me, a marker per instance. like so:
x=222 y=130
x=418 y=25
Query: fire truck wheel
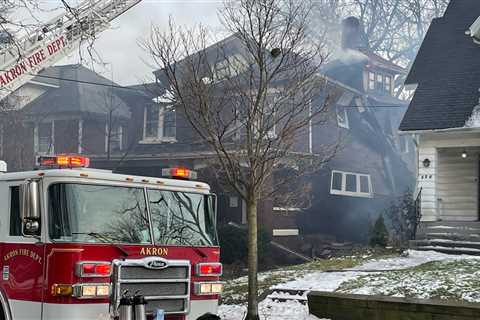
x=209 y=316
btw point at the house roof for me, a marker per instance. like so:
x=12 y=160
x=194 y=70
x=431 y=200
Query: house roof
x=73 y=96
x=447 y=71
x=380 y=62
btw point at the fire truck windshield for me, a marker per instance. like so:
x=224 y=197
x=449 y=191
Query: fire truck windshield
x=90 y=213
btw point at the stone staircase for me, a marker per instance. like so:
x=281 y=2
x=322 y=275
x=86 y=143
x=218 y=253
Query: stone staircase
x=448 y=237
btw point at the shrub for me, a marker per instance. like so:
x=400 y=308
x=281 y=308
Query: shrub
x=233 y=244
x=379 y=235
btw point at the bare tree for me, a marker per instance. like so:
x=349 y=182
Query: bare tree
x=251 y=98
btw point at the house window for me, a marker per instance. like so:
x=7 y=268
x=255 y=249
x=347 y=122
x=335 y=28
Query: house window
x=379 y=82
x=44 y=132
x=169 y=123
x=116 y=138
x=151 y=121
x=342 y=117
x=388 y=83
x=233 y=202
x=351 y=184
x=371 y=80
x=159 y=123
x=229 y=67
x=222 y=70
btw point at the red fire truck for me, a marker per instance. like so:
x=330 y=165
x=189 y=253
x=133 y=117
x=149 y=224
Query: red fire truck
x=75 y=240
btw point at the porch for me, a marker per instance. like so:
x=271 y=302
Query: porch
x=448 y=180
x=448 y=192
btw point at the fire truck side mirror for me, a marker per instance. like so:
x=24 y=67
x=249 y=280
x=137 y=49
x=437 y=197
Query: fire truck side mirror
x=30 y=208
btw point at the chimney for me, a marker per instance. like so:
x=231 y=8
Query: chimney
x=353 y=35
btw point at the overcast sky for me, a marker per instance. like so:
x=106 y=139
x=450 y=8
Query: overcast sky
x=119 y=47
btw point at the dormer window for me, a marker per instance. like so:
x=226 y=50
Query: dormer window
x=371 y=80
x=379 y=82
x=388 y=83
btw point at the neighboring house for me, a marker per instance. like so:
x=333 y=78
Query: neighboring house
x=374 y=166
x=65 y=116
x=444 y=119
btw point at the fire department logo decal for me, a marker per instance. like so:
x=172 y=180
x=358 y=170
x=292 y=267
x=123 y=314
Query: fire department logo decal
x=23 y=252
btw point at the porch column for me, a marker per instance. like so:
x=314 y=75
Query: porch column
x=427 y=181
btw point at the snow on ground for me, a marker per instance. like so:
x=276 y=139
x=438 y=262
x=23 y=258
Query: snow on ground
x=369 y=279
x=269 y=310
x=322 y=281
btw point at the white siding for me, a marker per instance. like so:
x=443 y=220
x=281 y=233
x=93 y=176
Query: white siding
x=457 y=185
x=427 y=181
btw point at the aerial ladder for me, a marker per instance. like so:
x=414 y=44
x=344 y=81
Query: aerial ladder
x=21 y=60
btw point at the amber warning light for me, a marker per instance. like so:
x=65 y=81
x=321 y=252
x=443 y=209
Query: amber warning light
x=179 y=173
x=64 y=161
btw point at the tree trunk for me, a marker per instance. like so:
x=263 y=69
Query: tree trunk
x=252 y=313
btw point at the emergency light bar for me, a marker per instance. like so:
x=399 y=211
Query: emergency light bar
x=179 y=173
x=64 y=161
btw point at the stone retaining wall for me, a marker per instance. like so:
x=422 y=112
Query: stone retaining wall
x=359 y=307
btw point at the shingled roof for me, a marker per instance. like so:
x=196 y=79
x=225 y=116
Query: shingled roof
x=447 y=71
x=78 y=92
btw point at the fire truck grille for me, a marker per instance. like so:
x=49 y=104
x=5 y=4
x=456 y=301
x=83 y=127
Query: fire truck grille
x=166 y=288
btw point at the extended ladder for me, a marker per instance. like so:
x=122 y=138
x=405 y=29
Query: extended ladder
x=22 y=60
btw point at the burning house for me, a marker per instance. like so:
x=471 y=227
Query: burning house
x=139 y=132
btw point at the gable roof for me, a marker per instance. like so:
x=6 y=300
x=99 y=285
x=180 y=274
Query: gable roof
x=447 y=71
x=73 y=96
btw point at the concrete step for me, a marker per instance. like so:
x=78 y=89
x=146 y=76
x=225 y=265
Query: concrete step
x=473 y=224
x=449 y=236
x=447 y=243
x=447 y=250
x=444 y=228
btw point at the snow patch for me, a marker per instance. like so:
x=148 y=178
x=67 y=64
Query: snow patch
x=474 y=120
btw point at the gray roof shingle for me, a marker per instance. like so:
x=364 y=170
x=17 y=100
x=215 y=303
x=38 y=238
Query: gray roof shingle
x=76 y=97
x=447 y=71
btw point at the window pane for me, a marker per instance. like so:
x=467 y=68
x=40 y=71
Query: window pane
x=95 y=213
x=337 y=181
x=181 y=218
x=169 y=123
x=15 y=221
x=342 y=117
x=364 y=185
x=45 y=137
x=351 y=183
x=116 y=138
x=151 y=121
x=371 y=75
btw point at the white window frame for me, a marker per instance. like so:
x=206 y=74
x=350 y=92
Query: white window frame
x=113 y=135
x=371 y=80
x=159 y=138
x=285 y=232
x=343 y=192
x=342 y=123
x=233 y=201
x=387 y=84
x=36 y=138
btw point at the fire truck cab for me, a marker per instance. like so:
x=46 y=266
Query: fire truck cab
x=74 y=241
